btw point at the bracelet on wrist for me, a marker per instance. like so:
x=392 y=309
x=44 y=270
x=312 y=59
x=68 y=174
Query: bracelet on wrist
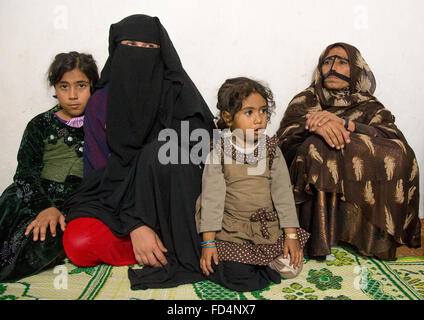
x=291 y=236
x=346 y=125
x=207 y=242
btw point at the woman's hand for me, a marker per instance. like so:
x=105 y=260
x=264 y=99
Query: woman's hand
x=318 y=119
x=330 y=127
x=148 y=248
x=48 y=218
x=334 y=134
x=206 y=260
x=292 y=247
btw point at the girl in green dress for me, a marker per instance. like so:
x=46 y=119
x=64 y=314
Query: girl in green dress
x=49 y=169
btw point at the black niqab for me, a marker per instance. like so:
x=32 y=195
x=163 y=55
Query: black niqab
x=145 y=84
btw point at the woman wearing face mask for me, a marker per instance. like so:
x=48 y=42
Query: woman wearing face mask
x=355 y=177
x=132 y=208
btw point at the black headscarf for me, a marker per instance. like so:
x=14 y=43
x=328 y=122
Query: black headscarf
x=148 y=91
x=146 y=85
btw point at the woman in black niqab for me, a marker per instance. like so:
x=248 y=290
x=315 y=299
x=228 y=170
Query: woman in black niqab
x=148 y=91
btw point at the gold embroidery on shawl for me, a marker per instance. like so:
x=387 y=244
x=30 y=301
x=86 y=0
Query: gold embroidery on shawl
x=399 y=194
x=369 y=194
x=401 y=144
x=358 y=166
x=313 y=152
x=361 y=63
x=364 y=84
x=294 y=126
x=326 y=94
x=332 y=167
x=340 y=103
x=389 y=164
x=361 y=97
x=358 y=208
x=414 y=171
x=390 y=226
x=308 y=188
x=368 y=143
x=390 y=129
x=299 y=159
x=411 y=192
x=356 y=115
x=408 y=220
x=298 y=100
x=376 y=119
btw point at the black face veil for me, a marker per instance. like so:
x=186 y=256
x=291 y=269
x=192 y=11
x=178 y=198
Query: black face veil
x=145 y=84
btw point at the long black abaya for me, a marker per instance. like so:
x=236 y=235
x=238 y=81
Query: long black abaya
x=148 y=91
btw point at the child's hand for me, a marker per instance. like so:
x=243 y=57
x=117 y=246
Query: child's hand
x=292 y=246
x=205 y=261
x=46 y=218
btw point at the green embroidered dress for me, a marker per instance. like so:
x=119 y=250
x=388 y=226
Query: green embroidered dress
x=49 y=168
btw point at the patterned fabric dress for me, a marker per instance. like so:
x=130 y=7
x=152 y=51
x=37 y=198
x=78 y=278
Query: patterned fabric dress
x=251 y=230
x=49 y=169
x=366 y=194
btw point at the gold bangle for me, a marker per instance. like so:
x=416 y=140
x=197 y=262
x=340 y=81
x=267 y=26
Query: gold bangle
x=292 y=236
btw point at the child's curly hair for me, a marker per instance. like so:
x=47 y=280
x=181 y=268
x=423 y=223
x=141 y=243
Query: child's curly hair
x=234 y=91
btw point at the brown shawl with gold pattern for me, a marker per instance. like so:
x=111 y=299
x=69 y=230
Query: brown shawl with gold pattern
x=376 y=174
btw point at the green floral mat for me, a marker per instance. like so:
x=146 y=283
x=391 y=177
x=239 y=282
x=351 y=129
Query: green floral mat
x=343 y=276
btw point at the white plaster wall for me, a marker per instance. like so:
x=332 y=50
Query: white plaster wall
x=272 y=40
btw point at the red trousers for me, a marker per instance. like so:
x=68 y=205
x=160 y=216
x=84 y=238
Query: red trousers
x=89 y=242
